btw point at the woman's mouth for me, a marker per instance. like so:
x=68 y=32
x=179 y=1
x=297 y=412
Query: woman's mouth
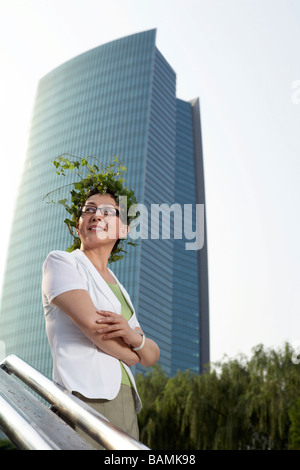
x=96 y=228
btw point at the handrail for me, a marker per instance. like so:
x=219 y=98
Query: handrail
x=78 y=412
x=20 y=431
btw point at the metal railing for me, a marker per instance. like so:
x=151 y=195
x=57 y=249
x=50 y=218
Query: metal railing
x=32 y=425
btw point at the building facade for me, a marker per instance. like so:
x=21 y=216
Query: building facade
x=117 y=99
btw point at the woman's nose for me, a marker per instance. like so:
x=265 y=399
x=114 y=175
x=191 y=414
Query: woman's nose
x=98 y=214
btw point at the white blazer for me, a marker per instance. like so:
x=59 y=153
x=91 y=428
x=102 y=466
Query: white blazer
x=78 y=365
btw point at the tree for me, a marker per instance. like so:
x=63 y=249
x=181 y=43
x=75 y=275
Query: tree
x=236 y=404
x=274 y=389
x=294 y=431
x=6 y=444
x=150 y=388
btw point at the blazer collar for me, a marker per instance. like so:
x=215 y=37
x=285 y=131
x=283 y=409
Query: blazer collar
x=101 y=283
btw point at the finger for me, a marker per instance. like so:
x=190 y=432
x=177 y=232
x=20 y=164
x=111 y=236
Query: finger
x=103 y=319
x=107 y=319
x=106 y=313
x=115 y=330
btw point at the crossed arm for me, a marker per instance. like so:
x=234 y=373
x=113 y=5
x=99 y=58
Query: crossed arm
x=109 y=331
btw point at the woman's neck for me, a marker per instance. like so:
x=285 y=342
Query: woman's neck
x=98 y=256
x=100 y=259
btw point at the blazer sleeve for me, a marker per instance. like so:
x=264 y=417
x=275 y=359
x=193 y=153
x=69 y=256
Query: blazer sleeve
x=60 y=274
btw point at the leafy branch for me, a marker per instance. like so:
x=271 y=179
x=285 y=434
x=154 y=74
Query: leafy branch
x=92 y=177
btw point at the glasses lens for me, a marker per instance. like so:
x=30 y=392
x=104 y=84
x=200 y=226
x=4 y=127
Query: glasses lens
x=108 y=210
x=88 y=210
x=104 y=210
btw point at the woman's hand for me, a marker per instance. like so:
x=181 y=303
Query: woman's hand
x=78 y=305
x=115 y=326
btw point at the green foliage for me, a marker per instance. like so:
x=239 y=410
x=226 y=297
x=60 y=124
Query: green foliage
x=6 y=444
x=294 y=431
x=237 y=404
x=93 y=176
x=151 y=387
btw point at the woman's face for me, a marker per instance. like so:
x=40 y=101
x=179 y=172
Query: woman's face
x=103 y=227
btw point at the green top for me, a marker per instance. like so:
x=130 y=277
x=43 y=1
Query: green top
x=127 y=313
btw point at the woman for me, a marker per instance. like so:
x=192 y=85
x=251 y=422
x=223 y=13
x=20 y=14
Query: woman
x=91 y=325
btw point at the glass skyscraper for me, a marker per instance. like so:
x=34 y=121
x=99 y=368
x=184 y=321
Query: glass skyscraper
x=119 y=98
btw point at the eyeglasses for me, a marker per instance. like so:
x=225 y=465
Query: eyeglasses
x=104 y=210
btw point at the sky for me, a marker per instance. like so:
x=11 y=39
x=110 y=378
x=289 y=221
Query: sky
x=241 y=58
